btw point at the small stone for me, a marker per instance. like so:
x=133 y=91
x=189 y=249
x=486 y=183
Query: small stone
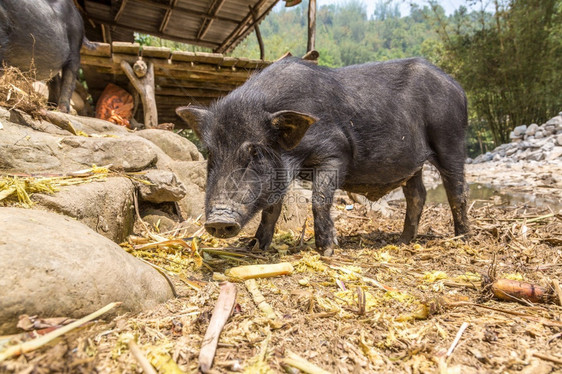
x=559 y=139
x=532 y=129
x=163 y=187
x=497 y=157
x=555 y=121
x=511 y=151
x=513 y=136
x=520 y=130
x=555 y=153
x=539 y=134
x=535 y=156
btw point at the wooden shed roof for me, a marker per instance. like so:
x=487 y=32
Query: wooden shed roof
x=181 y=78
x=217 y=24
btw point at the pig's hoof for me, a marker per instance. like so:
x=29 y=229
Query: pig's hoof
x=326 y=251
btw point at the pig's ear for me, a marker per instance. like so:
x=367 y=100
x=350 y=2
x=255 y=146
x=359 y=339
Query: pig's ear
x=292 y=126
x=193 y=116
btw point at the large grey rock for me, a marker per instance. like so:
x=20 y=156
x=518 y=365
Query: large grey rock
x=24 y=150
x=128 y=153
x=53 y=266
x=175 y=146
x=163 y=187
x=106 y=207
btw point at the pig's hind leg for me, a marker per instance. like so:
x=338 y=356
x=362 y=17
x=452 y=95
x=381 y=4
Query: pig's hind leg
x=415 y=194
x=451 y=169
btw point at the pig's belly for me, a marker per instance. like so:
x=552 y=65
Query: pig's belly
x=373 y=192
x=375 y=185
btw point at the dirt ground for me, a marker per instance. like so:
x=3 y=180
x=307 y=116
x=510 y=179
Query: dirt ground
x=372 y=307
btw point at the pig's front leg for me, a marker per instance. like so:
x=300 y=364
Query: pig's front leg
x=325 y=182
x=269 y=217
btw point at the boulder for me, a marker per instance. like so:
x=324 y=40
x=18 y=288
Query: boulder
x=24 y=150
x=128 y=153
x=520 y=130
x=559 y=140
x=163 y=187
x=175 y=146
x=106 y=207
x=54 y=266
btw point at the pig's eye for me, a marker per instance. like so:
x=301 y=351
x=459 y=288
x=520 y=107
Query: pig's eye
x=252 y=150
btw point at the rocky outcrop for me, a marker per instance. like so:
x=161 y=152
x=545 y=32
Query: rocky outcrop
x=172 y=164
x=530 y=143
x=53 y=266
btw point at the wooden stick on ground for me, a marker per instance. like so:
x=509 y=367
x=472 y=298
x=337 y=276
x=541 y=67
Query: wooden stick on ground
x=294 y=360
x=41 y=341
x=141 y=358
x=221 y=313
x=262 y=305
x=457 y=338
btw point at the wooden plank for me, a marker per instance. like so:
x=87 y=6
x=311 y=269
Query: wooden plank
x=99 y=49
x=182 y=56
x=125 y=48
x=199 y=57
x=156 y=52
x=189 y=92
x=243 y=62
x=208 y=58
x=229 y=61
x=165 y=81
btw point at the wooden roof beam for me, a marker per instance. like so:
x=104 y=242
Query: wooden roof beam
x=178 y=10
x=234 y=35
x=167 y=16
x=153 y=32
x=214 y=8
x=120 y=11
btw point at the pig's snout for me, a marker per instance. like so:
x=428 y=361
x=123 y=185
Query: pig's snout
x=222 y=225
x=222 y=229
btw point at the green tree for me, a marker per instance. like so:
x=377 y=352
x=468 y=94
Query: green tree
x=508 y=62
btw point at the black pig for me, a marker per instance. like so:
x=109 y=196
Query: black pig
x=45 y=34
x=366 y=129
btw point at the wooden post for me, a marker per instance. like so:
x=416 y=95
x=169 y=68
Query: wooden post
x=258 y=33
x=311 y=25
x=142 y=79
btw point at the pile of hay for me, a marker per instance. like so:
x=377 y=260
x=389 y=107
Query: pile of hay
x=17 y=92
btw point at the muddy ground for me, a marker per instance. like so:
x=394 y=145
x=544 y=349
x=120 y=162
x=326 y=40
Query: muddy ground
x=372 y=307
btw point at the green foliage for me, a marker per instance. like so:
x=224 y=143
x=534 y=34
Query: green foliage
x=508 y=62
x=345 y=33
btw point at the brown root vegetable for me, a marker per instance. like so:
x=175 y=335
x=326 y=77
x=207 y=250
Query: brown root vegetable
x=512 y=290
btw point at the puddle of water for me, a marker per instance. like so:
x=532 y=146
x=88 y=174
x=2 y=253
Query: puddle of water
x=485 y=193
